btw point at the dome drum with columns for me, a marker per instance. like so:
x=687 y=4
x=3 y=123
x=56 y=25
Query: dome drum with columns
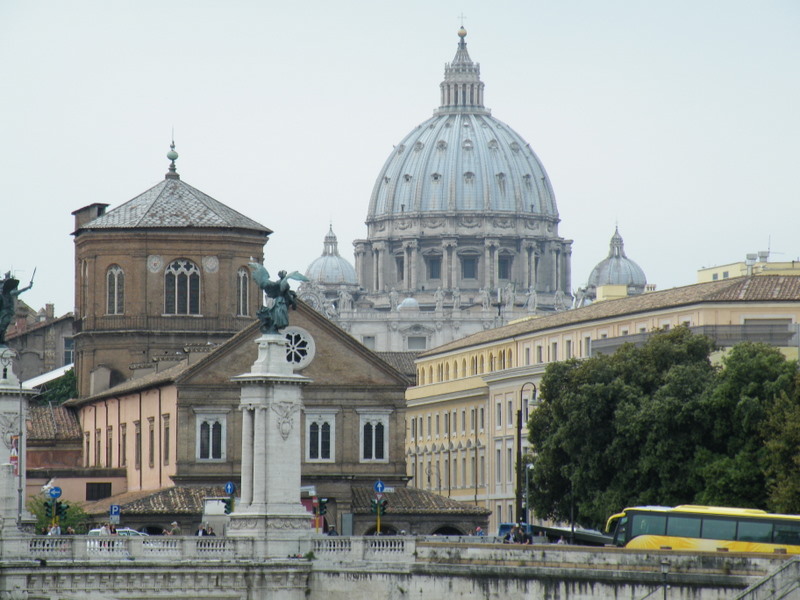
x=463 y=219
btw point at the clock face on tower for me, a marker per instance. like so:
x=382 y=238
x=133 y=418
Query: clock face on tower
x=154 y=263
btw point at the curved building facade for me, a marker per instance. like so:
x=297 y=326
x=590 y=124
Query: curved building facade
x=462 y=218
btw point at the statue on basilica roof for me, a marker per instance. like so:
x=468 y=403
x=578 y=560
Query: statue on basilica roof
x=8 y=301
x=274 y=314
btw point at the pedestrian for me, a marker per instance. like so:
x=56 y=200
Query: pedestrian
x=479 y=531
x=105 y=530
x=210 y=530
x=55 y=530
x=201 y=530
x=175 y=529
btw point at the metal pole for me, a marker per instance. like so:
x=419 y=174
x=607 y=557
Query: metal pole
x=20 y=459
x=527 y=494
x=519 y=466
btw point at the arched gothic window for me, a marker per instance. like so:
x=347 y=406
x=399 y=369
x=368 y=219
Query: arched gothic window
x=242 y=292
x=182 y=288
x=115 y=290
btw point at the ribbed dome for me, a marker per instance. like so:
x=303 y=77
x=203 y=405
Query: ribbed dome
x=330 y=268
x=618 y=269
x=462 y=159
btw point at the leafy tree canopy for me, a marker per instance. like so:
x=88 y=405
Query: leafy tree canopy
x=659 y=424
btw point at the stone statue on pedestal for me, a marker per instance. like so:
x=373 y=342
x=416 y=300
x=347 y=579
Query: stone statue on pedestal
x=8 y=302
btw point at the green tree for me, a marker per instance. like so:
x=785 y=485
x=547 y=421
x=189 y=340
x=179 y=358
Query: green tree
x=60 y=390
x=733 y=462
x=76 y=517
x=615 y=430
x=658 y=424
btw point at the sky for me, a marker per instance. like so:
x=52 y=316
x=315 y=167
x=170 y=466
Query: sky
x=677 y=122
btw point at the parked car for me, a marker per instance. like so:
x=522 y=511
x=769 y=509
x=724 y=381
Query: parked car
x=121 y=531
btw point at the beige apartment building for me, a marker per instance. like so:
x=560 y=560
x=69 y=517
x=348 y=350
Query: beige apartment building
x=462 y=435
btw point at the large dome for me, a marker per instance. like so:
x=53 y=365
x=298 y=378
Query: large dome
x=618 y=269
x=462 y=160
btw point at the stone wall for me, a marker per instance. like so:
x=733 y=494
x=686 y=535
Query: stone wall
x=343 y=568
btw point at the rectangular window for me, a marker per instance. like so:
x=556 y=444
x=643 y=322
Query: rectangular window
x=165 y=425
x=437 y=425
x=718 y=529
x=539 y=359
x=754 y=531
x=498 y=467
x=123 y=443
x=504 y=267
x=587 y=346
x=137 y=445
x=98 y=445
x=527 y=356
x=109 y=447
x=446 y=423
x=69 y=351
x=554 y=351
x=151 y=442
x=472 y=419
x=429 y=427
x=434 y=267
x=469 y=267
x=499 y=420
x=97 y=491
x=463 y=421
x=417 y=342
x=510 y=465
x=568 y=350
x=399 y=265
x=211 y=435
x=684 y=526
x=374 y=436
x=87 y=448
x=482 y=472
x=510 y=413
x=481 y=418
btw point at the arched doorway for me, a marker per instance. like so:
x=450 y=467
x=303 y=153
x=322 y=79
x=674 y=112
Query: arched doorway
x=447 y=530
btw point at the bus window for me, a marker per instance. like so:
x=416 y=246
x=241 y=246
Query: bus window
x=683 y=526
x=787 y=533
x=647 y=525
x=755 y=531
x=719 y=529
x=619 y=531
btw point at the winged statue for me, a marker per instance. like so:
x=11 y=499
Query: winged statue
x=274 y=314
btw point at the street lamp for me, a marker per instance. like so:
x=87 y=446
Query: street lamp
x=528 y=469
x=664 y=573
x=519 y=447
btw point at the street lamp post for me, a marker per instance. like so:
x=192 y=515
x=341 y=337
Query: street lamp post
x=664 y=573
x=528 y=469
x=520 y=517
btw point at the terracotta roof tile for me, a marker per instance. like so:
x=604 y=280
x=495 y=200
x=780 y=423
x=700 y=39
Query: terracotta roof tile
x=168 y=501
x=46 y=422
x=406 y=500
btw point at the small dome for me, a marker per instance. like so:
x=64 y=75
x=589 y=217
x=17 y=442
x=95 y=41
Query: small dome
x=409 y=304
x=618 y=269
x=330 y=268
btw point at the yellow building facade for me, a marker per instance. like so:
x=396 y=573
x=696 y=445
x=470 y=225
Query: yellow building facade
x=462 y=436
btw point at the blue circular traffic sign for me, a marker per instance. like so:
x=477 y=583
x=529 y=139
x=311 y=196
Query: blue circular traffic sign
x=55 y=492
x=379 y=487
x=230 y=488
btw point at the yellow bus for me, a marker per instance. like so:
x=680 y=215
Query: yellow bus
x=709 y=528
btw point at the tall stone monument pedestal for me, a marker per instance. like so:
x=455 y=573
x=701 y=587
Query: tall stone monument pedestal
x=269 y=508
x=13 y=444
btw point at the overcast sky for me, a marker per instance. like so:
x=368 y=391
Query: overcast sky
x=679 y=121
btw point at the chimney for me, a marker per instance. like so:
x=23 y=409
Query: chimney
x=88 y=213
